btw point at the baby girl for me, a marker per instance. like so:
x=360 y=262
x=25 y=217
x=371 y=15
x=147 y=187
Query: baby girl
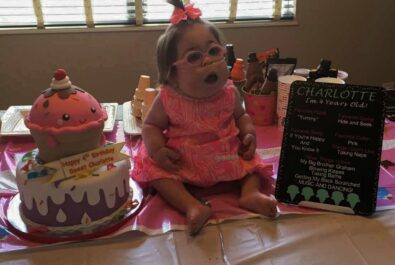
x=197 y=132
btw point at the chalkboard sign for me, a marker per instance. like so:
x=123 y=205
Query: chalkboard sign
x=331 y=148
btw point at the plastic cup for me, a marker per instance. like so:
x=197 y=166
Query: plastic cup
x=144 y=82
x=149 y=95
x=284 y=86
x=139 y=94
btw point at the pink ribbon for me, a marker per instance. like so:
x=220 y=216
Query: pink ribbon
x=189 y=12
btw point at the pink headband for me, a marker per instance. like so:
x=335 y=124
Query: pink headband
x=183 y=14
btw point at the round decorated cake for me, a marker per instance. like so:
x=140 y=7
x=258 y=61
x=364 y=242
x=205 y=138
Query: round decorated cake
x=73 y=181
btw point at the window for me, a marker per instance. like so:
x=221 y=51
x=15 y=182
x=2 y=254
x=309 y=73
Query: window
x=49 y=13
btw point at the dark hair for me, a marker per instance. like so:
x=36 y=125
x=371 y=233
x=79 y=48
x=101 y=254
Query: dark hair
x=166 y=48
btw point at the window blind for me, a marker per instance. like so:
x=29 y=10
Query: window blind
x=49 y=13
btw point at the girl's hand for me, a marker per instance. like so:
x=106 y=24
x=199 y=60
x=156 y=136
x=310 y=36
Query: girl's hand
x=167 y=159
x=248 y=146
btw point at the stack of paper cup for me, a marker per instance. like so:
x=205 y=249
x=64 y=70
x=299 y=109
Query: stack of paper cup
x=138 y=97
x=149 y=96
x=284 y=86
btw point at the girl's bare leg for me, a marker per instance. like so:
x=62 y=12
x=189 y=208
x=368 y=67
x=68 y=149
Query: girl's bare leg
x=175 y=193
x=252 y=199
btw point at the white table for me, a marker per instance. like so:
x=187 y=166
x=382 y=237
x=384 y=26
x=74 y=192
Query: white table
x=291 y=239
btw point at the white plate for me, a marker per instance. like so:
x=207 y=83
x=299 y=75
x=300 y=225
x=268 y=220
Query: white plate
x=302 y=72
x=131 y=125
x=12 y=121
x=331 y=80
x=305 y=73
x=111 y=109
x=342 y=74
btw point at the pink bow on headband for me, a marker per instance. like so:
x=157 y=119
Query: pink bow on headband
x=189 y=12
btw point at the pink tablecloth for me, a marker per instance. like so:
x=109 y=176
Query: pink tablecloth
x=155 y=216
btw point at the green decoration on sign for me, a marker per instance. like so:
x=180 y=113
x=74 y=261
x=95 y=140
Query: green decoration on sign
x=307 y=192
x=322 y=195
x=293 y=190
x=337 y=197
x=353 y=199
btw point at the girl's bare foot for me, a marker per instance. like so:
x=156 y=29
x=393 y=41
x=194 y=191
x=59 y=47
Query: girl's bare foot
x=259 y=203
x=197 y=215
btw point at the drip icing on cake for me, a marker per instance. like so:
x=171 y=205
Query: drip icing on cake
x=76 y=188
x=108 y=183
x=65 y=120
x=86 y=220
x=61 y=216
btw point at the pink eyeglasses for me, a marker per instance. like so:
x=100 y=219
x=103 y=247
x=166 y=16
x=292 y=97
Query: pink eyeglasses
x=196 y=58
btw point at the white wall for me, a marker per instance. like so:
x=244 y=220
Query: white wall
x=358 y=39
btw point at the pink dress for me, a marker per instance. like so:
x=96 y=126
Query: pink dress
x=206 y=136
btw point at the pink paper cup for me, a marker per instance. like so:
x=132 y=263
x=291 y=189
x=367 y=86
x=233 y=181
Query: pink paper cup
x=261 y=108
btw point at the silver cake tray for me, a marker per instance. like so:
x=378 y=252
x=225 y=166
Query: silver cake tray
x=43 y=234
x=12 y=121
x=131 y=125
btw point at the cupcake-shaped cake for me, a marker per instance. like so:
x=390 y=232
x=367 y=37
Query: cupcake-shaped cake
x=65 y=120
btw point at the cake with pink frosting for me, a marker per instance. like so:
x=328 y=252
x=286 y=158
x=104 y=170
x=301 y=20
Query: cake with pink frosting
x=67 y=121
